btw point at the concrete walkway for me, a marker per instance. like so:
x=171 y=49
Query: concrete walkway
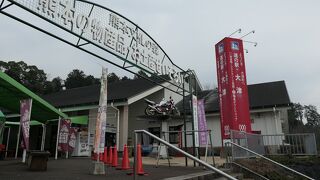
x=78 y=169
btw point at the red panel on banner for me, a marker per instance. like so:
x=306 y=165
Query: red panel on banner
x=232 y=87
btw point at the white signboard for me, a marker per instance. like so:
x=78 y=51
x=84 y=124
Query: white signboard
x=108 y=30
x=195 y=119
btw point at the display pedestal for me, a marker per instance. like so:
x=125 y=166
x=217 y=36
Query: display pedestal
x=163 y=153
x=97 y=168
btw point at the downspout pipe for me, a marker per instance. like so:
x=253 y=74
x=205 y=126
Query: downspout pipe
x=118 y=124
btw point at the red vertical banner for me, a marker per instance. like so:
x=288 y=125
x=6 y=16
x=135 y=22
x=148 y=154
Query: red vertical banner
x=72 y=139
x=64 y=132
x=232 y=87
x=25 y=115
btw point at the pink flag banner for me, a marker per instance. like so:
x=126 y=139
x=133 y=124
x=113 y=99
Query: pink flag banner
x=63 y=137
x=203 y=134
x=25 y=114
x=72 y=139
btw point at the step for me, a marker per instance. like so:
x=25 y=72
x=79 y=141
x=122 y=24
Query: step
x=236 y=175
x=191 y=176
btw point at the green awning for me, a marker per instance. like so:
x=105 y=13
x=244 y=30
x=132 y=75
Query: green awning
x=32 y=123
x=79 y=120
x=11 y=92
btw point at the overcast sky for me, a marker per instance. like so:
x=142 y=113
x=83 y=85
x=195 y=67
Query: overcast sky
x=287 y=32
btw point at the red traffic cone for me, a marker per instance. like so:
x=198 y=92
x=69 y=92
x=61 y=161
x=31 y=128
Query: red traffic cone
x=101 y=155
x=115 y=157
x=110 y=156
x=94 y=156
x=140 y=170
x=125 y=164
x=105 y=157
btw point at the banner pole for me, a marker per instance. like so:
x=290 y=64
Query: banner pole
x=58 y=132
x=43 y=138
x=18 y=139
x=8 y=139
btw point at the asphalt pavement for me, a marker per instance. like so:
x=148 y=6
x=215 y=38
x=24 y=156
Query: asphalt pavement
x=78 y=169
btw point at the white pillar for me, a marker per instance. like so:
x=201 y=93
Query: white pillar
x=18 y=139
x=58 y=132
x=124 y=116
x=24 y=154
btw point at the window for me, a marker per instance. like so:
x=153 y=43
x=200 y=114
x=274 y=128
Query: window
x=174 y=136
x=155 y=131
x=252 y=120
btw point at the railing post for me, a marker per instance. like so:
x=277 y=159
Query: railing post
x=315 y=144
x=270 y=160
x=186 y=154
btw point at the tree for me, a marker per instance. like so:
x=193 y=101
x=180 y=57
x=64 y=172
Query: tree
x=30 y=76
x=53 y=86
x=77 y=78
x=125 y=78
x=312 y=115
x=112 y=77
x=141 y=73
x=295 y=116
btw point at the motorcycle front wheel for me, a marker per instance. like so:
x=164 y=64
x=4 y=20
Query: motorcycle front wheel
x=149 y=111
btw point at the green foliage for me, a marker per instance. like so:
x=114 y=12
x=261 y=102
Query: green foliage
x=312 y=116
x=30 y=76
x=77 y=78
x=53 y=86
x=125 y=78
x=295 y=116
x=140 y=75
x=112 y=77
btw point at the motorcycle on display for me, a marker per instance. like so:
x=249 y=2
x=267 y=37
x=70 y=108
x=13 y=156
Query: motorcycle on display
x=163 y=108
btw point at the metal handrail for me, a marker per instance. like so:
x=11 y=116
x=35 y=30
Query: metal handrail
x=176 y=149
x=270 y=160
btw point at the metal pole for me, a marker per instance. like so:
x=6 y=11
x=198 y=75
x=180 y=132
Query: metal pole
x=207 y=144
x=192 y=122
x=18 y=139
x=212 y=150
x=186 y=154
x=44 y=129
x=8 y=139
x=184 y=119
x=58 y=132
x=135 y=161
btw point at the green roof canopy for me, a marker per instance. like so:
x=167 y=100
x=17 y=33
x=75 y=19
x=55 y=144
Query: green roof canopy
x=1 y=116
x=11 y=92
x=32 y=123
x=79 y=120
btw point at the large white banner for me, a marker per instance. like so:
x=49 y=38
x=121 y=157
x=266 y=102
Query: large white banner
x=99 y=141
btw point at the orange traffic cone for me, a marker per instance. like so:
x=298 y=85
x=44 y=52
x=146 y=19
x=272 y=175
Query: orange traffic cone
x=105 y=157
x=140 y=170
x=125 y=164
x=110 y=156
x=115 y=157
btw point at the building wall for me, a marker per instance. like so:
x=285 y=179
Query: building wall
x=267 y=121
x=111 y=123
x=136 y=109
